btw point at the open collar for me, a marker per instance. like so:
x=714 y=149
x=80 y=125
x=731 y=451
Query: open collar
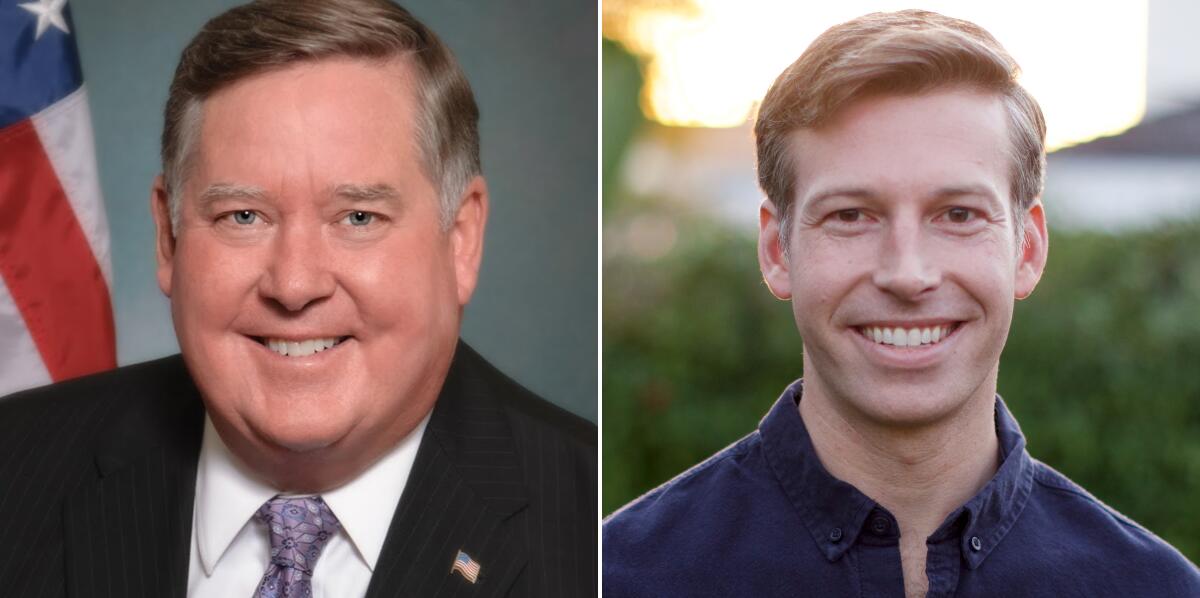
x=834 y=511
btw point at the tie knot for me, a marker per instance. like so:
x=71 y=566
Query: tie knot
x=299 y=528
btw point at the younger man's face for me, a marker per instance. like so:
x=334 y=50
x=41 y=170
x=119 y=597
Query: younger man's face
x=904 y=261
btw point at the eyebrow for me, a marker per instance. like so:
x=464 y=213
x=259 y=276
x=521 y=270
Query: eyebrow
x=864 y=193
x=368 y=193
x=219 y=191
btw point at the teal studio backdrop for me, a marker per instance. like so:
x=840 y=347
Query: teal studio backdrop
x=532 y=65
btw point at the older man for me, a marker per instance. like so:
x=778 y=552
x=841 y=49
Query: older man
x=903 y=165
x=320 y=223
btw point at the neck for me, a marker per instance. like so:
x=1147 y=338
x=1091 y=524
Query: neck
x=918 y=473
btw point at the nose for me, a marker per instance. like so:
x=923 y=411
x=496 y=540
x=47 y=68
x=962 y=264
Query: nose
x=298 y=273
x=908 y=268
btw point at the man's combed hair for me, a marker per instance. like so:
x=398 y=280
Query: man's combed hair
x=905 y=52
x=272 y=34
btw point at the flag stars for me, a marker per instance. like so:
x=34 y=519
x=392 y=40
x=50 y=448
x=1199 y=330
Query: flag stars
x=49 y=12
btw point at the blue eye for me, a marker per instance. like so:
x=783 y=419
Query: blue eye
x=244 y=217
x=359 y=218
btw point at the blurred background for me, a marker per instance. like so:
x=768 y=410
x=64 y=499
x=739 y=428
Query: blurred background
x=532 y=67
x=1102 y=367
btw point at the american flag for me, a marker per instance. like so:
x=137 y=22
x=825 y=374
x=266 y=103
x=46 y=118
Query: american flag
x=56 y=318
x=464 y=564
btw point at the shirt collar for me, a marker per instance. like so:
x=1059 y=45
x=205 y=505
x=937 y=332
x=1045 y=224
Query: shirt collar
x=835 y=512
x=228 y=495
x=365 y=505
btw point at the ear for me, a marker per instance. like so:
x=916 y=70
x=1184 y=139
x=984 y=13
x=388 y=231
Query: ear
x=466 y=237
x=1031 y=257
x=771 y=259
x=164 y=236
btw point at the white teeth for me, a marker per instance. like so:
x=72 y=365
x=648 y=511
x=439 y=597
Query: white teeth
x=911 y=337
x=300 y=348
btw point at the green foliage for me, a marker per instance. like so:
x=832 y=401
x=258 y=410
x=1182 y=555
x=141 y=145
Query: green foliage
x=622 y=117
x=1101 y=367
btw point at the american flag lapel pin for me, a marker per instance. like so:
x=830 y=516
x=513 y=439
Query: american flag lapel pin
x=466 y=566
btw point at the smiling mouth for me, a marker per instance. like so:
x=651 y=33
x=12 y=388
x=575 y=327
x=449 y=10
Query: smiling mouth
x=301 y=348
x=897 y=336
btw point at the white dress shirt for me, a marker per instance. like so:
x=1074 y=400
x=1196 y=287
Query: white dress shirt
x=230 y=549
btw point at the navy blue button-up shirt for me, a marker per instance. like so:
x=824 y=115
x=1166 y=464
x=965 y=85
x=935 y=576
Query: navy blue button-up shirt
x=764 y=518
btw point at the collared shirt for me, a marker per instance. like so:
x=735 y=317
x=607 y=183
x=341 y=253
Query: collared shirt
x=765 y=518
x=230 y=549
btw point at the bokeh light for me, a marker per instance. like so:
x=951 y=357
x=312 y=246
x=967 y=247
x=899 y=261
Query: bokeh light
x=708 y=62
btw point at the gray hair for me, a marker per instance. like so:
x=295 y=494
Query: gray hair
x=272 y=34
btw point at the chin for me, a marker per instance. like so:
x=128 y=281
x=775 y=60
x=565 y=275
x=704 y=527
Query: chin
x=912 y=408
x=300 y=441
x=303 y=433
x=303 y=444
x=893 y=403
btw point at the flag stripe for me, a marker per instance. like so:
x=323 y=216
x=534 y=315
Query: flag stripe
x=20 y=365
x=66 y=133
x=48 y=264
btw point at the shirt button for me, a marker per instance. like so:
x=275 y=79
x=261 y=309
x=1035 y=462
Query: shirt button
x=835 y=534
x=879 y=525
x=976 y=544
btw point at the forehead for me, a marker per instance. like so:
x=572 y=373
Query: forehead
x=893 y=145
x=323 y=122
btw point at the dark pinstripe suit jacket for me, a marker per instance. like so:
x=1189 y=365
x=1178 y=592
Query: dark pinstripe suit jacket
x=97 y=477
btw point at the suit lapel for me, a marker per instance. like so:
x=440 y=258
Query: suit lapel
x=127 y=533
x=465 y=488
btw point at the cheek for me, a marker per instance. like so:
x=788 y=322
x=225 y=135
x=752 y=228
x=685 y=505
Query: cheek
x=210 y=284
x=400 y=289
x=987 y=271
x=824 y=272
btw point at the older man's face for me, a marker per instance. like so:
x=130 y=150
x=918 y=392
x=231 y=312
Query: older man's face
x=903 y=258
x=315 y=296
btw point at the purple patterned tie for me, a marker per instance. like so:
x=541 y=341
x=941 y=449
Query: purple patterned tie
x=299 y=529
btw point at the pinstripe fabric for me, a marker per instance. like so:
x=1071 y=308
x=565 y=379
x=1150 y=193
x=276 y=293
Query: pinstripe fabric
x=528 y=519
x=97 y=484
x=97 y=477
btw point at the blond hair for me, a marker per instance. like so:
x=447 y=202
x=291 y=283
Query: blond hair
x=272 y=34
x=906 y=52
